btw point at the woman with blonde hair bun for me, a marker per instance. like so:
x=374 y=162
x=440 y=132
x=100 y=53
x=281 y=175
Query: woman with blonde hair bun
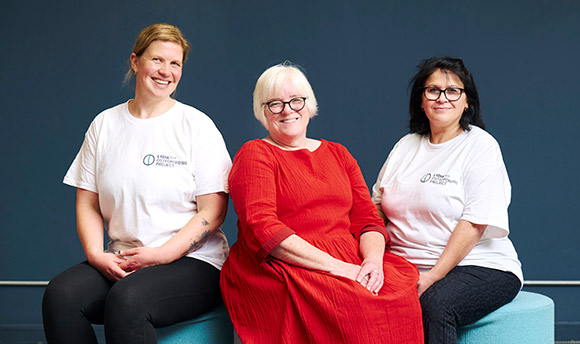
x=152 y=172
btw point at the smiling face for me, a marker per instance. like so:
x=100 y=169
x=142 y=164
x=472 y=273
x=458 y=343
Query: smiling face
x=287 y=128
x=157 y=70
x=444 y=115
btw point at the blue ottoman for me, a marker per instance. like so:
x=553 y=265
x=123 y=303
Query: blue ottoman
x=528 y=319
x=213 y=327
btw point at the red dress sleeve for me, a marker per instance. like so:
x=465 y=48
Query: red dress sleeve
x=252 y=182
x=363 y=214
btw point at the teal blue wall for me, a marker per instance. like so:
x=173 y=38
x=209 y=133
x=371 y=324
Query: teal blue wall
x=64 y=61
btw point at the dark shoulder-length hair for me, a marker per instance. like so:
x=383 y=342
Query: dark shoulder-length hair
x=419 y=122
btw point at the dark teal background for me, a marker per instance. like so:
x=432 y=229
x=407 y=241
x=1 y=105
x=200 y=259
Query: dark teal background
x=64 y=61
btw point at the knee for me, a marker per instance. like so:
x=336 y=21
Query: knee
x=78 y=288
x=124 y=302
x=59 y=294
x=51 y=298
x=437 y=311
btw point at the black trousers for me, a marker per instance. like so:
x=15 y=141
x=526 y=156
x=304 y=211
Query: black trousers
x=130 y=308
x=465 y=295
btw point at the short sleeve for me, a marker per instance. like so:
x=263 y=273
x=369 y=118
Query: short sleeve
x=386 y=171
x=211 y=159
x=252 y=183
x=377 y=192
x=487 y=190
x=82 y=172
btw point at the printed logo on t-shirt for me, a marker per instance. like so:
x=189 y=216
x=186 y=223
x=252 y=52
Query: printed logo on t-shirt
x=439 y=179
x=162 y=160
x=148 y=160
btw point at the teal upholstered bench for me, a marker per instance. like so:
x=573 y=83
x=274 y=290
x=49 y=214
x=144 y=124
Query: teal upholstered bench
x=214 y=327
x=529 y=318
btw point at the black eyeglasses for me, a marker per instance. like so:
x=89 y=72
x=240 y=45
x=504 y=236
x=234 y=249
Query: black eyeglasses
x=277 y=106
x=451 y=93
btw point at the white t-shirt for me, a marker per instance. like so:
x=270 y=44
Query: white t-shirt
x=148 y=173
x=425 y=189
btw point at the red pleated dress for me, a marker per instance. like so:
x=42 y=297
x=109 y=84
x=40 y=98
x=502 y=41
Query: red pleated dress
x=322 y=197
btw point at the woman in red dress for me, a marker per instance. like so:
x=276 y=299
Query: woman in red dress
x=311 y=263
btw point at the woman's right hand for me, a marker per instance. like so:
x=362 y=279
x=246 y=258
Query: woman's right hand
x=108 y=265
x=347 y=270
x=90 y=229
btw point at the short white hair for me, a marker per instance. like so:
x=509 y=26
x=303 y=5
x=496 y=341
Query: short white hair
x=272 y=79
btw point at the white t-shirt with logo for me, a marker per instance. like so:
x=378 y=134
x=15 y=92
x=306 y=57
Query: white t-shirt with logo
x=148 y=173
x=425 y=189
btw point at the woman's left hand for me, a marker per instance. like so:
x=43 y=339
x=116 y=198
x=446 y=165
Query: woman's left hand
x=142 y=257
x=371 y=275
x=464 y=237
x=426 y=280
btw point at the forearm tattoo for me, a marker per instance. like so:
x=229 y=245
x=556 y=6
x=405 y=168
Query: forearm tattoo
x=196 y=244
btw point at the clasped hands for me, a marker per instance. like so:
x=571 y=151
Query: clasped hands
x=116 y=266
x=369 y=274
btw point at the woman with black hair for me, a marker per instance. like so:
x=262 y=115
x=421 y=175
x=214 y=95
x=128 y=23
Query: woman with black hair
x=444 y=193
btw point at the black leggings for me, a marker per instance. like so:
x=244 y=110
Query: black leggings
x=465 y=295
x=131 y=308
